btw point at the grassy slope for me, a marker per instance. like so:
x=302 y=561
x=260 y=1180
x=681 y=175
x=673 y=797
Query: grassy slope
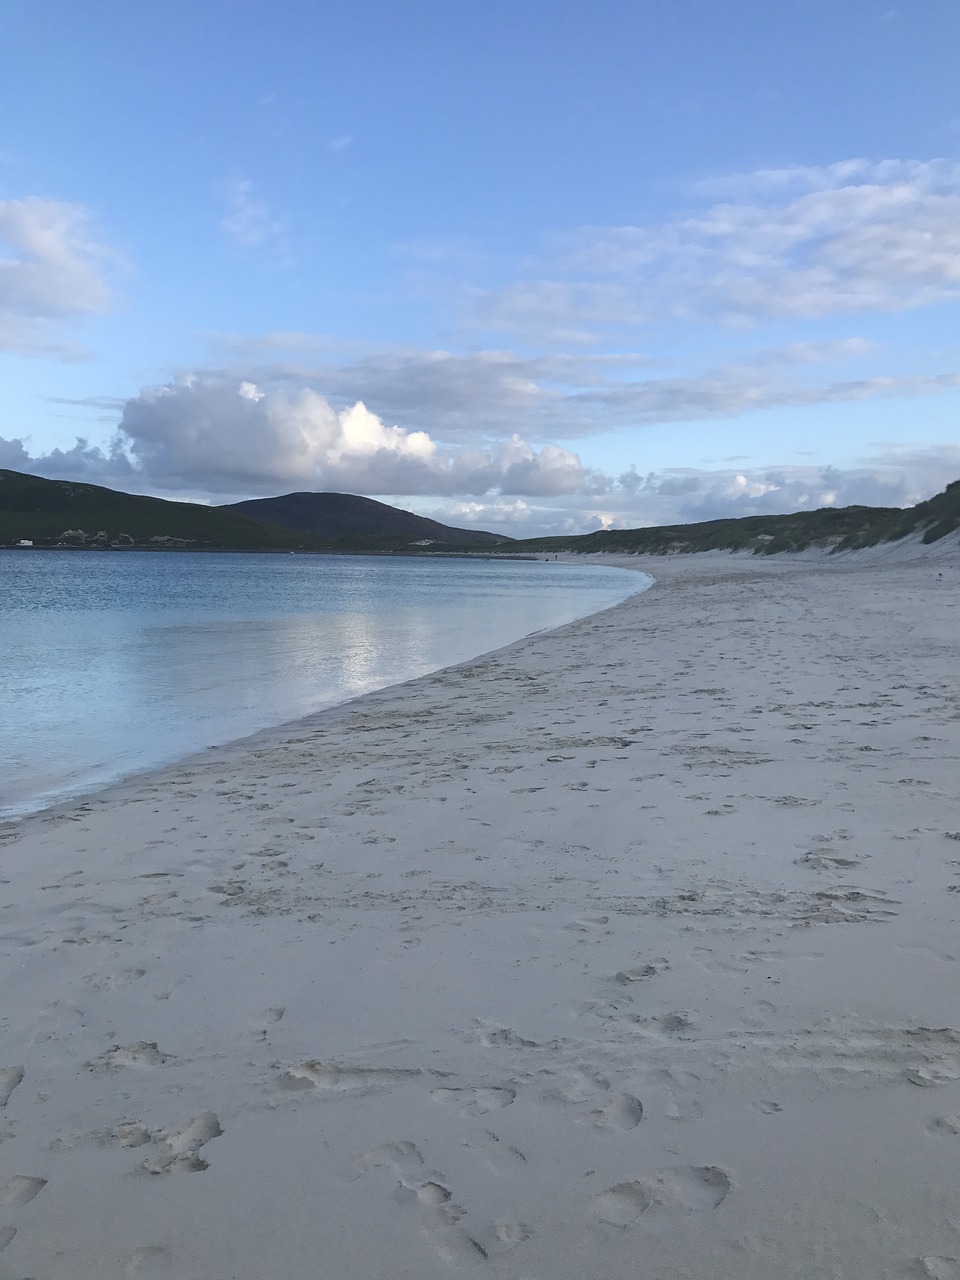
x=837 y=528
x=41 y=510
x=344 y=518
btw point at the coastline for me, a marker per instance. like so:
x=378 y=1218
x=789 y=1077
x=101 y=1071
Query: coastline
x=79 y=741
x=629 y=946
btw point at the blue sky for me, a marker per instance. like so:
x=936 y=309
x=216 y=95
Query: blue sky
x=530 y=266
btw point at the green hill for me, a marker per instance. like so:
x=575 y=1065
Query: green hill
x=62 y=512
x=833 y=528
x=341 y=519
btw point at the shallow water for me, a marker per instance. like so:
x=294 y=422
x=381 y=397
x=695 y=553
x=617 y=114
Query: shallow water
x=117 y=662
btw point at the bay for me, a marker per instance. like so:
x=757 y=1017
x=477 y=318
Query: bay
x=113 y=663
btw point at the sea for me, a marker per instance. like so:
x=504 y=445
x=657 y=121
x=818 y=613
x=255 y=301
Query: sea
x=113 y=663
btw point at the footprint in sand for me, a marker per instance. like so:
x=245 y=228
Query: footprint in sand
x=689 y=1189
x=475 y=1102
x=639 y=972
x=621 y=1113
x=675 y=1023
x=945 y=1125
x=402 y=1158
x=20 y=1190
x=818 y=861
x=142 y=1054
x=131 y=1135
x=333 y=1077
x=585 y=923
x=932 y=1076
x=496 y=1154
x=578 y=1085
x=506 y=1037
x=10 y=1077
x=152 y=1260
x=261 y=1024
x=510 y=1232
x=425 y=1193
x=178 y=1150
x=938 y=1267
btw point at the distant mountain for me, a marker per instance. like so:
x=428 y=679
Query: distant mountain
x=833 y=528
x=343 y=520
x=64 y=513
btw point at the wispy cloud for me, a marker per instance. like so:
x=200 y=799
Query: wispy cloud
x=791 y=243
x=53 y=271
x=484 y=395
x=249 y=222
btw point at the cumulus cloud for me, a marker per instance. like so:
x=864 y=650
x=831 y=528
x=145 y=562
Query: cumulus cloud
x=896 y=478
x=52 y=270
x=83 y=461
x=234 y=437
x=793 y=243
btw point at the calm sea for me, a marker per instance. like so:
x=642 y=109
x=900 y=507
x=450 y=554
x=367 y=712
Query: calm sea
x=112 y=663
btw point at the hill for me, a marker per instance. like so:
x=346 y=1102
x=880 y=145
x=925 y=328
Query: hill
x=832 y=528
x=343 y=520
x=65 y=513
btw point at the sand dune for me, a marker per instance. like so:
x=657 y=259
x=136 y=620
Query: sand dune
x=629 y=951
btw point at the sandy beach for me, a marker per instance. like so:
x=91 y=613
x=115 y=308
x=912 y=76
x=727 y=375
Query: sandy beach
x=629 y=951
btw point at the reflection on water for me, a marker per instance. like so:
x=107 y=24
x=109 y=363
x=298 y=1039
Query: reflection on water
x=112 y=663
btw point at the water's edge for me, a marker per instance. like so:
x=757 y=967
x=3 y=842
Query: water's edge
x=100 y=789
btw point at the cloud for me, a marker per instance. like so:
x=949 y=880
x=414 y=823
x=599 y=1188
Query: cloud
x=515 y=490
x=737 y=392
x=84 y=461
x=895 y=478
x=792 y=243
x=233 y=437
x=52 y=271
x=484 y=395
x=248 y=221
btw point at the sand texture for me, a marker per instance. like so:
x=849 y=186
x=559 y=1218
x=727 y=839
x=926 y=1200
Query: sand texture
x=631 y=951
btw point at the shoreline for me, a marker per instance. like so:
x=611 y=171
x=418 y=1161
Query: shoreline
x=629 y=944
x=115 y=774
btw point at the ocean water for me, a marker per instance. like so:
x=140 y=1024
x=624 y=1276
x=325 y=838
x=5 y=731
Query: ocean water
x=113 y=663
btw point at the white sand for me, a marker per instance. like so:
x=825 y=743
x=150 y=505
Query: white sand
x=630 y=951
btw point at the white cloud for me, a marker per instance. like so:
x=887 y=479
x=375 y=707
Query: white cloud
x=896 y=478
x=233 y=437
x=793 y=243
x=52 y=270
x=484 y=395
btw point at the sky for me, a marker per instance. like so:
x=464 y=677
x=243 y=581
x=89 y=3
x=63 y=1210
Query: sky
x=535 y=266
